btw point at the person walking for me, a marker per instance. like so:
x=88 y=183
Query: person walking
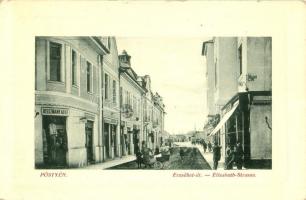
x=227 y=156
x=239 y=156
x=138 y=158
x=181 y=153
x=216 y=155
x=231 y=157
x=204 y=146
x=209 y=146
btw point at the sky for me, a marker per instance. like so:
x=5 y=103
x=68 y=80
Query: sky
x=177 y=71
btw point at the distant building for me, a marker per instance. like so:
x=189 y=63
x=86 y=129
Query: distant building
x=158 y=119
x=142 y=117
x=131 y=93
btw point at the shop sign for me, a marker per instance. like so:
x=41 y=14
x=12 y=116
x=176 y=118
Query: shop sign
x=251 y=77
x=127 y=110
x=55 y=111
x=242 y=84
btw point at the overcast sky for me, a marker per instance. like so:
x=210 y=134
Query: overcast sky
x=177 y=71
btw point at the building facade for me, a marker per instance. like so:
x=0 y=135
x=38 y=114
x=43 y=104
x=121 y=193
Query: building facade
x=158 y=121
x=67 y=100
x=89 y=102
x=242 y=96
x=110 y=107
x=131 y=93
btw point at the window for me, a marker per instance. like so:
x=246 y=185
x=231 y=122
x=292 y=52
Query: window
x=89 y=77
x=74 y=67
x=135 y=105
x=126 y=97
x=106 y=86
x=240 y=58
x=114 y=92
x=55 y=61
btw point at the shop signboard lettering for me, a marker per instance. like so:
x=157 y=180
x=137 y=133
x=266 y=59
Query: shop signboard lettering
x=55 y=111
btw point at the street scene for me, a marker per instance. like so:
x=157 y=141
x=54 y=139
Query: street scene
x=116 y=103
x=182 y=156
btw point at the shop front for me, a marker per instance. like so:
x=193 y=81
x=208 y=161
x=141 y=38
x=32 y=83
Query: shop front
x=224 y=134
x=65 y=137
x=247 y=119
x=111 y=139
x=54 y=137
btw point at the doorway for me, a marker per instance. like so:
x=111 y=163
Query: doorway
x=89 y=141
x=106 y=140
x=54 y=141
x=114 y=139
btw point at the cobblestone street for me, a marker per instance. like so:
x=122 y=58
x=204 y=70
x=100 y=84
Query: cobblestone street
x=191 y=159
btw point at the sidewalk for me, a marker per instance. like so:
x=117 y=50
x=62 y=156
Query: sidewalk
x=208 y=156
x=111 y=163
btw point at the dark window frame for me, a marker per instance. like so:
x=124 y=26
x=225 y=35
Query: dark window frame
x=89 y=77
x=74 y=68
x=55 y=62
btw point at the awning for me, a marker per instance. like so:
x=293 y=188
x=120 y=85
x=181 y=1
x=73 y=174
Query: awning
x=225 y=118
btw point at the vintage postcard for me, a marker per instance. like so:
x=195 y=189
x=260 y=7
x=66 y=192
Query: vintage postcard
x=166 y=99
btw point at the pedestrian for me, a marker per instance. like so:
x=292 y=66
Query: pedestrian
x=209 y=146
x=156 y=151
x=227 y=154
x=146 y=155
x=181 y=153
x=239 y=156
x=204 y=146
x=138 y=158
x=230 y=157
x=216 y=154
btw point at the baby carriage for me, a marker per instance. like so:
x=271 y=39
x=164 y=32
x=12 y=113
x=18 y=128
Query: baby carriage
x=156 y=161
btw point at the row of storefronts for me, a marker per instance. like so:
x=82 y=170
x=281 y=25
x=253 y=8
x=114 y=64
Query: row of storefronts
x=90 y=105
x=239 y=97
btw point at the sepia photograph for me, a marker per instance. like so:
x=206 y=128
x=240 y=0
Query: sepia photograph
x=152 y=99
x=153 y=103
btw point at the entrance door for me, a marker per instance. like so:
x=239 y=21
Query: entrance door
x=54 y=141
x=122 y=140
x=136 y=139
x=114 y=138
x=106 y=140
x=89 y=141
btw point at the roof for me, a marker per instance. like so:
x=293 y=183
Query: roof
x=204 y=46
